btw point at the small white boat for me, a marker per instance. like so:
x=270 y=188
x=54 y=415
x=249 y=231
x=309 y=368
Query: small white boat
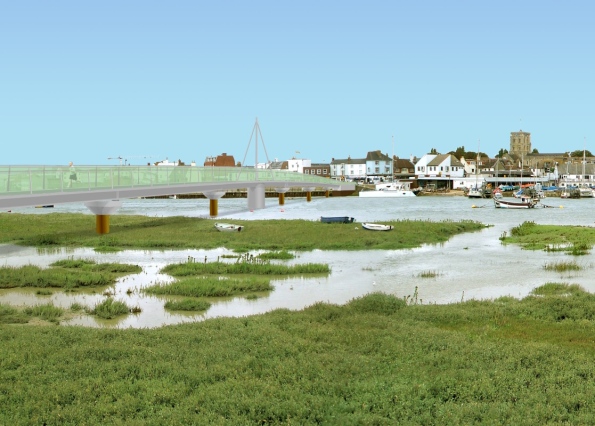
x=377 y=227
x=228 y=227
x=524 y=202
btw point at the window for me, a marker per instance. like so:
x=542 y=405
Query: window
x=317 y=171
x=324 y=171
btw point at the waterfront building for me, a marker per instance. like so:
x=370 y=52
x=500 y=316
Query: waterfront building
x=379 y=166
x=348 y=169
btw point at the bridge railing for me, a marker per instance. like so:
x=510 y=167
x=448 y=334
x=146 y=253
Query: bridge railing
x=16 y=180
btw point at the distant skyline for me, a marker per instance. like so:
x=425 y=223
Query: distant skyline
x=149 y=80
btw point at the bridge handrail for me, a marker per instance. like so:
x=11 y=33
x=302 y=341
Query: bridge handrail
x=15 y=180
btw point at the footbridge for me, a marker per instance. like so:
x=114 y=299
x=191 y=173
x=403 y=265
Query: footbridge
x=102 y=187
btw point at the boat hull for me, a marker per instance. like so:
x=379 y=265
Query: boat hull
x=337 y=219
x=228 y=227
x=500 y=203
x=377 y=227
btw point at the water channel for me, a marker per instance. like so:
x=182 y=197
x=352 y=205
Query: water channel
x=469 y=266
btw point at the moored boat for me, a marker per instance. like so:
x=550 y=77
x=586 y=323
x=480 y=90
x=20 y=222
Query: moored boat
x=377 y=227
x=523 y=202
x=228 y=227
x=337 y=219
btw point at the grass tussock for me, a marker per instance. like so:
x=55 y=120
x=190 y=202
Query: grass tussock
x=562 y=266
x=429 y=274
x=47 y=312
x=109 y=309
x=187 y=305
x=277 y=255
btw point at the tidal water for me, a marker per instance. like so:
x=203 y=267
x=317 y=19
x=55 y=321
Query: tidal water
x=469 y=266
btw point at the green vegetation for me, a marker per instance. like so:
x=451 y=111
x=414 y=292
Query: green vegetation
x=375 y=360
x=211 y=286
x=126 y=232
x=187 y=305
x=562 y=266
x=47 y=312
x=277 y=255
x=65 y=274
x=110 y=308
x=428 y=274
x=574 y=240
x=220 y=268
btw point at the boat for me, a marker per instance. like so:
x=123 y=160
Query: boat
x=377 y=227
x=523 y=202
x=390 y=190
x=47 y=206
x=228 y=227
x=337 y=219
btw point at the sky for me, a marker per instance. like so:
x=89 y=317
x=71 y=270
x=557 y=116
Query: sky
x=91 y=81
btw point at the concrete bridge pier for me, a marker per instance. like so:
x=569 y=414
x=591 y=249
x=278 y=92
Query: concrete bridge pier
x=281 y=192
x=256 y=197
x=102 y=210
x=213 y=197
x=308 y=190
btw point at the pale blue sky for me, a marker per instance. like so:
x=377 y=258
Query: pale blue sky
x=83 y=81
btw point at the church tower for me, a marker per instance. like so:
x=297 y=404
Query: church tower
x=520 y=143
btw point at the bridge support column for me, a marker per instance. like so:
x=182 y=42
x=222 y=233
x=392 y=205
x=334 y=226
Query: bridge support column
x=281 y=192
x=256 y=197
x=213 y=197
x=309 y=193
x=326 y=193
x=102 y=210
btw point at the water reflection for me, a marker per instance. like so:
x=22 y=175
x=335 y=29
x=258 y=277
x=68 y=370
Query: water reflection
x=469 y=266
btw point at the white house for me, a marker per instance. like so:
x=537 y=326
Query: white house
x=348 y=169
x=297 y=165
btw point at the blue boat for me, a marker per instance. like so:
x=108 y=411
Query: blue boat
x=337 y=219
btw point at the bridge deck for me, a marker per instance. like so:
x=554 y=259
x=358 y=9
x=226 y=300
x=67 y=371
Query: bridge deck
x=22 y=186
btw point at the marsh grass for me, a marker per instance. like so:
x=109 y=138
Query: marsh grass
x=109 y=309
x=66 y=274
x=562 y=266
x=11 y=315
x=127 y=231
x=374 y=360
x=252 y=268
x=574 y=240
x=44 y=292
x=211 y=286
x=47 y=312
x=187 y=305
x=277 y=255
x=429 y=274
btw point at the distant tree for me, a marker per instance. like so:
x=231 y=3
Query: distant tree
x=534 y=151
x=579 y=153
x=460 y=152
x=433 y=151
x=239 y=164
x=502 y=152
